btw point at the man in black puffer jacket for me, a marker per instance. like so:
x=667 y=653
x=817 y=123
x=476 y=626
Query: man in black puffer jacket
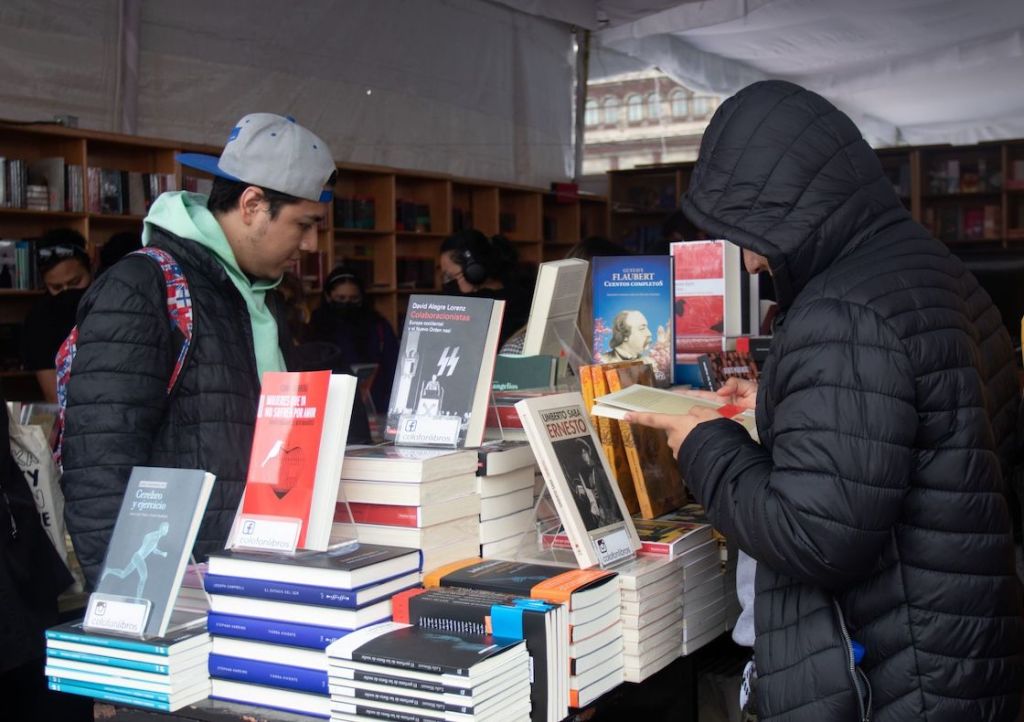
x=268 y=197
x=874 y=505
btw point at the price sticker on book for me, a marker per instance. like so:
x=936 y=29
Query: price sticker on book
x=119 y=615
x=272 y=534
x=421 y=430
x=613 y=547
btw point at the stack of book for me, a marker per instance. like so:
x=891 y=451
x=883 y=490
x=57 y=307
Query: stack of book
x=420 y=498
x=505 y=481
x=272 y=615
x=704 y=598
x=591 y=597
x=160 y=673
x=652 y=613
x=400 y=672
x=542 y=625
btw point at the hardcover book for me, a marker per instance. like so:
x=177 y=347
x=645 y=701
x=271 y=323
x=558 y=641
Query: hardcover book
x=297 y=451
x=633 y=312
x=445 y=364
x=576 y=474
x=706 y=295
x=152 y=539
x=553 y=324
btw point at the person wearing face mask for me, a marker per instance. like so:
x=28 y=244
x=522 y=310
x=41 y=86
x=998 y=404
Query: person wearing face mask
x=65 y=272
x=346 y=319
x=472 y=264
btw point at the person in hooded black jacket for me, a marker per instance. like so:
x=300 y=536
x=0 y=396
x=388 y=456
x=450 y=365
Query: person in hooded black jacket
x=874 y=503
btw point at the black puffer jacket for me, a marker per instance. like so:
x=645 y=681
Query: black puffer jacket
x=885 y=412
x=119 y=414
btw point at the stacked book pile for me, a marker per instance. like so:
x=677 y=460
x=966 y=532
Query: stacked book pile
x=591 y=597
x=652 y=606
x=505 y=481
x=272 y=615
x=420 y=498
x=400 y=672
x=704 y=598
x=160 y=673
x=542 y=625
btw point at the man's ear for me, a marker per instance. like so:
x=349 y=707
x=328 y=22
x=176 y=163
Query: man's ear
x=251 y=203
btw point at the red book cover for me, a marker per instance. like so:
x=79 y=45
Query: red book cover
x=699 y=294
x=385 y=514
x=286 y=446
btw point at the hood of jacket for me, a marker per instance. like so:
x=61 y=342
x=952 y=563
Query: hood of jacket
x=784 y=173
x=185 y=215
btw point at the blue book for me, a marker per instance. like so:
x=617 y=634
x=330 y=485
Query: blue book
x=84 y=689
x=53 y=653
x=270 y=630
x=633 y=312
x=309 y=593
x=273 y=675
x=112 y=689
x=170 y=645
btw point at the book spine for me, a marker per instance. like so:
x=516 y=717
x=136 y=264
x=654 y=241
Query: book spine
x=412 y=665
x=274 y=675
x=269 y=630
x=105 y=693
x=416 y=685
x=385 y=514
x=401 y=699
x=97 y=641
x=387 y=714
x=281 y=591
x=108 y=661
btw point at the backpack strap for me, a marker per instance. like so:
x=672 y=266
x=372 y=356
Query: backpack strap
x=179 y=311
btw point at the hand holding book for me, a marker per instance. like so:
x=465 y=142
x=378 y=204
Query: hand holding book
x=677 y=426
x=735 y=391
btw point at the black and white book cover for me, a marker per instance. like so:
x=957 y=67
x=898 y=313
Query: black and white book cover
x=445 y=365
x=401 y=646
x=152 y=540
x=576 y=473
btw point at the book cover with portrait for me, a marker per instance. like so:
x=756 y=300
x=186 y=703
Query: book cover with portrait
x=576 y=474
x=633 y=312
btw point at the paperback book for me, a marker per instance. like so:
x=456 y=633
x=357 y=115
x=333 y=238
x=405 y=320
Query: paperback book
x=633 y=312
x=295 y=467
x=149 y=549
x=445 y=365
x=578 y=478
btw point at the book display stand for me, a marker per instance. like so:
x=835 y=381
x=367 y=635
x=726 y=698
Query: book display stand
x=544 y=541
x=128 y=615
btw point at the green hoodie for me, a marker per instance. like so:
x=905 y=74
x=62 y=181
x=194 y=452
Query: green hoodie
x=185 y=215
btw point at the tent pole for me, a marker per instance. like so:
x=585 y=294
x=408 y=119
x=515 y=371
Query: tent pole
x=582 y=73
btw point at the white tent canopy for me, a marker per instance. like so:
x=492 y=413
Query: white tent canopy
x=483 y=88
x=913 y=71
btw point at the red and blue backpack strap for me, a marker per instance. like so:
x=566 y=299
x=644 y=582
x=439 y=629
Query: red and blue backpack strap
x=179 y=311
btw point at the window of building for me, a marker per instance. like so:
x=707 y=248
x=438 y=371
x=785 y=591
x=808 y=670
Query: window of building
x=591 y=114
x=611 y=110
x=700 y=107
x=679 y=105
x=653 y=106
x=634 y=109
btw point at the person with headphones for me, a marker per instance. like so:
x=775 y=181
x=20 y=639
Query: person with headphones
x=474 y=265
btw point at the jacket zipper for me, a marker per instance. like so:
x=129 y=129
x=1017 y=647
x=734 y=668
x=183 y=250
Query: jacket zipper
x=855 y=674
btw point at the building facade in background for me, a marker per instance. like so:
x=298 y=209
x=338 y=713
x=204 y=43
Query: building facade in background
x=642 y=118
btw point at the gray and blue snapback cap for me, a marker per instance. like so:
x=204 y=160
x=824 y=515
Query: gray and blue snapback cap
x=271 y=151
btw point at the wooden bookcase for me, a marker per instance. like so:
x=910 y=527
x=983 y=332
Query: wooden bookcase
x=387 y=223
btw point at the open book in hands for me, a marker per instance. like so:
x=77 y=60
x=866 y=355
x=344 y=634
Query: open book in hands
x=661 y=401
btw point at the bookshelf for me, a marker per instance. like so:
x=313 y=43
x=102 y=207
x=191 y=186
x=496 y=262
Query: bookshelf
x=969 y=197
x=387 y=223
